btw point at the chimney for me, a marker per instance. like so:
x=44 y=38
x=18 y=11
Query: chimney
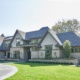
x=2 y=35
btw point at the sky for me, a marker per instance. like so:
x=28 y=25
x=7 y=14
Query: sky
x=30 y=15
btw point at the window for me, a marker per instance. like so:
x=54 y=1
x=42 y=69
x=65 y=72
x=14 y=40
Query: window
x=48 y=47
x=4 y=53
x=34 y=49
x=17 y=42
x=48 y=51
x=7 y=43
x=75 y=50
x=34 y=40
x=72 y=50
x=16 y=54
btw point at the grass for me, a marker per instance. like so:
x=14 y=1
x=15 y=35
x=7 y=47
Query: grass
x=41 y=71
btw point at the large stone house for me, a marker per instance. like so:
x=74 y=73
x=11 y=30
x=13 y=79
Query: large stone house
x=22 y=42
x=35 y=45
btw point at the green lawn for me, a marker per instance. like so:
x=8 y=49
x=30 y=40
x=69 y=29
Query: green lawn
x=39 y=71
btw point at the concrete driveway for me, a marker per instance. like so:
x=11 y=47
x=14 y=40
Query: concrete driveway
x=7 y=71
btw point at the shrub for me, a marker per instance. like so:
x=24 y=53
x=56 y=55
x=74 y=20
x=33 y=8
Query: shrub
x=67 y=48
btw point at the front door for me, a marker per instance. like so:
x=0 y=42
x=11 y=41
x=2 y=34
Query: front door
x=8 y=55
x=29 y=55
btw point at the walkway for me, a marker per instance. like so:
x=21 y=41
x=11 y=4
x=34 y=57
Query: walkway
x=7 y=71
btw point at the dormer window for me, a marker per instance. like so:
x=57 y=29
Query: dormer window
x=35 y=40
x=7 y=43
x=18 y=42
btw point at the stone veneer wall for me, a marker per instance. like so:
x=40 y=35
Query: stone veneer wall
x=41 y=54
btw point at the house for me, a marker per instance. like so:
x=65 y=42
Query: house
x=54 y=42
x=74 y=38
x=39 y=44
x=23 y=43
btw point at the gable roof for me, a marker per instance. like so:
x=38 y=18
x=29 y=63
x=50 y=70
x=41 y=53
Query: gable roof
x=36 y=34
x=55 y=36
x=22 y=34
x=71 y=36
x=52 y=33
x=2 y=47
x=32 y=34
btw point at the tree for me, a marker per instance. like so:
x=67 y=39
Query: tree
x=67 y=48
x=66 y=26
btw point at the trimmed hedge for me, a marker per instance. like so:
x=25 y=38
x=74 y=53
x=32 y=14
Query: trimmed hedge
x=56 y=63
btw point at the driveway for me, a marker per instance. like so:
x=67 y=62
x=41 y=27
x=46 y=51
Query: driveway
x=7 y=71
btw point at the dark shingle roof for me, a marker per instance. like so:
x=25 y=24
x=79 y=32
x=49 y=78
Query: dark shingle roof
x=8 y=37
x=71 y=36
x=2 y=47
x=26 y=36
x=36 y=34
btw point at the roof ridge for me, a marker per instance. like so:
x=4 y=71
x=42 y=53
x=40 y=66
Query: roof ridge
x=55 y=36
x=32 y=31
x=37 y=33
x=20 y=31
x=8 y=36
x=38 y=29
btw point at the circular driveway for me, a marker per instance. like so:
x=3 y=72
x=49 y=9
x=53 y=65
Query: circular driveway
x=7 y=71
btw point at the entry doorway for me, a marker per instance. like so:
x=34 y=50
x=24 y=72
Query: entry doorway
x=8 y=55
x=29 y=55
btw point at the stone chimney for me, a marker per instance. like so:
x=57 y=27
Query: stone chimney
x=2 y=35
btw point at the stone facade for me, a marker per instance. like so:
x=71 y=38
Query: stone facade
x=48 y=40
x=21 y=50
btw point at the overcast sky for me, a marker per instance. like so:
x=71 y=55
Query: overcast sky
x=29 y=15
